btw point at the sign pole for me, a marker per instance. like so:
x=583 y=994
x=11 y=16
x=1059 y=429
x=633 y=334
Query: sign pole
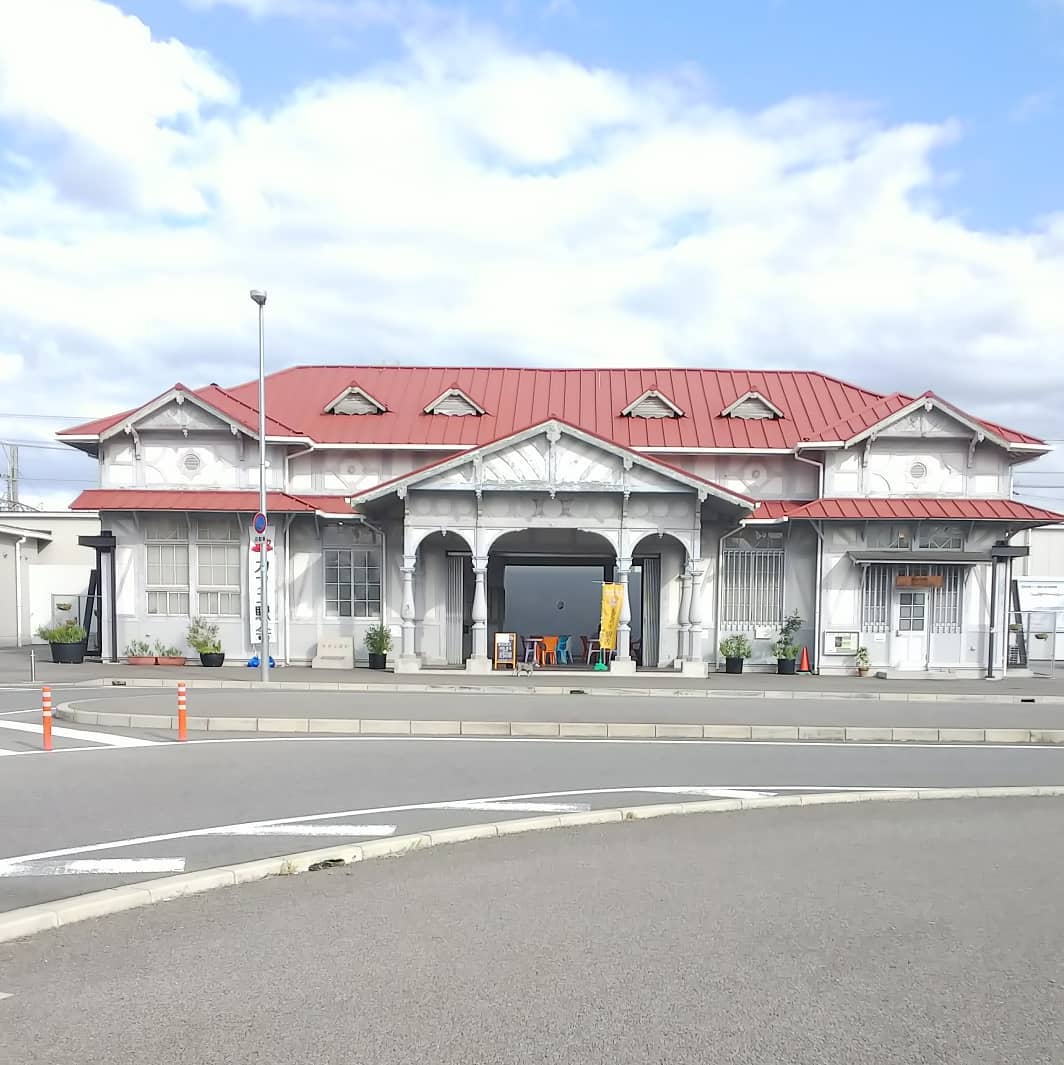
x=264 y=622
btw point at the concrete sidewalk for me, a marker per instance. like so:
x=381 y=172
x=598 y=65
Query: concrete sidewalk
x=14 y=669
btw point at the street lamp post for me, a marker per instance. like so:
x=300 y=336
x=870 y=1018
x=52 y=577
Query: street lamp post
x=264 y=616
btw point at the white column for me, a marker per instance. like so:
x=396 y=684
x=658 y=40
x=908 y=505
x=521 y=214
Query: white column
x=684 y=613
x=408 y=660
x=694 y=664
x=623 y=662
x=479 y=662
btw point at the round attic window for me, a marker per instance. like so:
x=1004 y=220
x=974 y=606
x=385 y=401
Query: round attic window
x=191 y=462
x=917 y=471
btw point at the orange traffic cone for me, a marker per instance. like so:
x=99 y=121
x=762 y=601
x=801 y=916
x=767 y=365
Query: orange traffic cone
x=803 y=663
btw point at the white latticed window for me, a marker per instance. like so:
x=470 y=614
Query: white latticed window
x=875 y=598
x=218 y=567
x=166 y=540
x=352 y=582
x=752 y=579
x=941 y=537
x=946 y=603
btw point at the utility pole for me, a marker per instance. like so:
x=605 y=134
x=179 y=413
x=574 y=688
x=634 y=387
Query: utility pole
x=9 y=500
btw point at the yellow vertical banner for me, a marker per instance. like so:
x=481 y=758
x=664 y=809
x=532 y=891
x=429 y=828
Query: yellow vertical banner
x=611 y=616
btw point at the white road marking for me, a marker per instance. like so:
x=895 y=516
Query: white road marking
x=108 y=739
x=491 y=805
x=3 y=752
x=6 y=994
x=709 y=793
x=166 y=837
x=13 y=713
x=304 y=830
x=166 y=745
x=110 y=866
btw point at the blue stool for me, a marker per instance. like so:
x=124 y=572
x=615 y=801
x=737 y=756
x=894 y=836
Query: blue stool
x=563 y=650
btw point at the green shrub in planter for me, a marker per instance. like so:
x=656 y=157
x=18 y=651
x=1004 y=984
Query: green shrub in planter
x=378 y=641
x=67 y=641
x=205 y=638
x=785 y=649
x=734 y=649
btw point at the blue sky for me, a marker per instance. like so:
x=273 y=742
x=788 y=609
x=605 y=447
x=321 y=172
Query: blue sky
x=872 y=190
x=994 y=66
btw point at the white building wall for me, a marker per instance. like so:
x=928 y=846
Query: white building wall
x=203 y=460
x=345 y=472
x=760 y=476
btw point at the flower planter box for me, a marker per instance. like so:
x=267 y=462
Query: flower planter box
x=212 y=659
x=378 y=661
x=786 y=666
x=140 y=660
x=70 y=654
x=170 y=661
x=733 y=665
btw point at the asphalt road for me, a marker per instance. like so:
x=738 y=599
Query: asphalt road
x=106 y=795
x=925 y=932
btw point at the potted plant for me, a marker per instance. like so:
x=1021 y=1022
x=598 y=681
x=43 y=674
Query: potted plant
x=733 y=650
x=67 y=642
x=139 y=653
x=168 y=656
x=204 y=636
x=378 y=643
x=785 y=649
x=863 y=662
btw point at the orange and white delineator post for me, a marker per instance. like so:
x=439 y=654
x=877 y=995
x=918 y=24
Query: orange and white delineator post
x=46 y=717
x=182 y=712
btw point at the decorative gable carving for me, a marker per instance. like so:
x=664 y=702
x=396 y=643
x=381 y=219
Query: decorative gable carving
x=355 y=400
x=652 y=404
x=454 y=402
x=752 y=405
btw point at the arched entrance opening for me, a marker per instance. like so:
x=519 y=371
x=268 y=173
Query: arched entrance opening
x=659 y=562
x=548 y=583
x=443 y=602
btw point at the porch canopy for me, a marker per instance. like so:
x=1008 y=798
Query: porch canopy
x=551 y=475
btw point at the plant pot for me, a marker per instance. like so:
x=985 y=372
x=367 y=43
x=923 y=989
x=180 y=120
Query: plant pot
x=141 y=660
x=71 y=654
x=733 y=665
x=211 y=659
x=170 y=661
x=786 y=666
x=378 y=661
x=862 y=671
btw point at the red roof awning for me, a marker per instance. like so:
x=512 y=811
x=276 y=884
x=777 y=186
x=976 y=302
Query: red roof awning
x=916 y=509
x=222 y=502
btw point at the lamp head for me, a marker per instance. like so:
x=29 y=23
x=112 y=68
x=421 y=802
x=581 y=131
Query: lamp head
x=258 y=296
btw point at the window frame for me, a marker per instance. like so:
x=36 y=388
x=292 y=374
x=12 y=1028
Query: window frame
x=364 y=559
x=207 y=543
x=156 y=541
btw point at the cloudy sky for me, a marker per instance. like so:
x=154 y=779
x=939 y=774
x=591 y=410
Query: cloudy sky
x=874 y=191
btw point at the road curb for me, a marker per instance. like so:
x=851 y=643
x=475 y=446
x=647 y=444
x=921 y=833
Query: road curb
x=568 y=729
x=577 y=688
x=17 y=924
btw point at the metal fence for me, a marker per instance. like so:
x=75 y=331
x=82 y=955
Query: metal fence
x=1036 y=641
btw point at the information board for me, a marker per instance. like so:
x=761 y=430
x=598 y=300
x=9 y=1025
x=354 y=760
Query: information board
x=506 y=649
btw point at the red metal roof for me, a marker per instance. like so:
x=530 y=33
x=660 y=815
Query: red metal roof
x=914 y=509
x=203 y=500
x=774 y=509
x=815 y=406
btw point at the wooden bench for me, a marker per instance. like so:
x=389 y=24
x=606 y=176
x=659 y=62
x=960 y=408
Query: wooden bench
x=337 y=652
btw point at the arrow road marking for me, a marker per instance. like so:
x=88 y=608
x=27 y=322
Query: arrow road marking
x=303 y=830
x=109 y=866
x=496 y=806
x=709 y=793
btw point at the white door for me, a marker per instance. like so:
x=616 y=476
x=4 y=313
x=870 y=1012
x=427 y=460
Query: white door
x=910 y=630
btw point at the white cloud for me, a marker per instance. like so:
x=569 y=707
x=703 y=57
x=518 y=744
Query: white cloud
x=481 y=203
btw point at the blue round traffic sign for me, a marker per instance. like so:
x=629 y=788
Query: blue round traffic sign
x=259 y=523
